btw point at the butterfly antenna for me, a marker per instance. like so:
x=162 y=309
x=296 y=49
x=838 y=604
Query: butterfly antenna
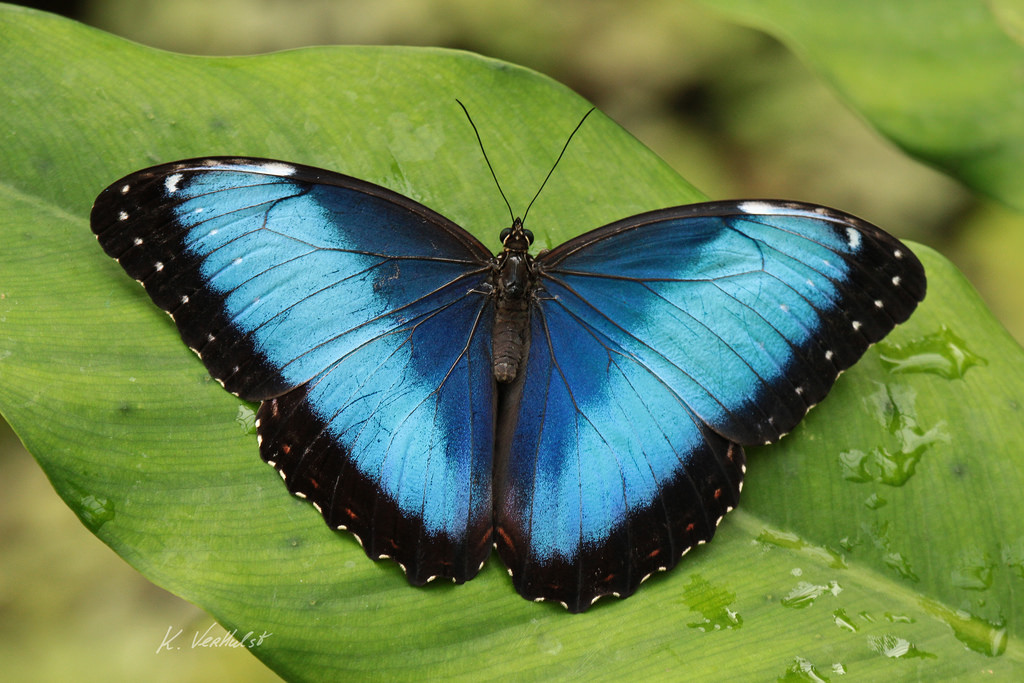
x=488 y=161
x=553 y=166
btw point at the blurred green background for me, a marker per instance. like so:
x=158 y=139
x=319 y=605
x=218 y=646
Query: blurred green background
x=730 y=108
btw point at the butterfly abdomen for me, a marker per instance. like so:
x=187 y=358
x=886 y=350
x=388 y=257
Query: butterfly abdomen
x=511 y=323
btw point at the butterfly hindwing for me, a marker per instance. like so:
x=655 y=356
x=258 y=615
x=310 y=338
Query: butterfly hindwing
x=609 y=476
x=356 y=315
x=418 y=414
x=660 y=344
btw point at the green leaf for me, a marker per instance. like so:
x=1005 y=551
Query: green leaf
x=885 y=537
x=943 y=80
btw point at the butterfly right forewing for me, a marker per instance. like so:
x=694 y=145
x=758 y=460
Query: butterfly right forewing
x=660 y=344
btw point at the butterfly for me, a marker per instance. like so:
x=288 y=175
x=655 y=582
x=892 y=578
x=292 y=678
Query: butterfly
x=583 y=411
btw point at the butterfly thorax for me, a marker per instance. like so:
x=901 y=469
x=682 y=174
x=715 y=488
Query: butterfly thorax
x=513 y=285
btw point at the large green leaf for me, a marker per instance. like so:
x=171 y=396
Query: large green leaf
x=941 y=79
x=885 y=537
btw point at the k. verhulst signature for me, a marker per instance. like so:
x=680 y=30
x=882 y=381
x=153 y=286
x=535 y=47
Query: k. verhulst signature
x=204 y=639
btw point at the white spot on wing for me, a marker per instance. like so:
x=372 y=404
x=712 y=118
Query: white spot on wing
x=856 y=325
x=276 y=168
x=122 y=216
x=853 y=238
x=158 y=266
x=137 y=241
x=125 y=188
x=784 y=209
x=879 y=304
x=896 y=281
x=171 y=183
x=758 y=207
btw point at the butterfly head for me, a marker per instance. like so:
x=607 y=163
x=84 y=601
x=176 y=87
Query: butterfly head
x=517 y=238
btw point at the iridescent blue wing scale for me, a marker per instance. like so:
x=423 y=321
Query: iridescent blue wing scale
x=356 y=315
x=661 y=344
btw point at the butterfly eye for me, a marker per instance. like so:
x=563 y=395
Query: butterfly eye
x=529 y=236
x=504 y=234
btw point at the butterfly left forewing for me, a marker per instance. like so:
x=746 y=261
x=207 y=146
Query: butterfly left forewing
x=355 y=314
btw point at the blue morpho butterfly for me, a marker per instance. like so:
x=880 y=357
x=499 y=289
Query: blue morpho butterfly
x=582 y=410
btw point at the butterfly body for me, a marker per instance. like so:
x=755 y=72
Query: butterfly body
x=515 y=280
x=583 y=410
